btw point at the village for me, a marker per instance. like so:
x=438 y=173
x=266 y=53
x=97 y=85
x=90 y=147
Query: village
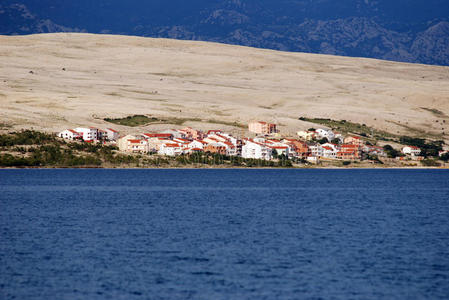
x=311 y=146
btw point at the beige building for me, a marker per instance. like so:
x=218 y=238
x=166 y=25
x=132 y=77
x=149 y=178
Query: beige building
x=260 y=127
x=306 y=135
x=133 y=144
x=354 y=140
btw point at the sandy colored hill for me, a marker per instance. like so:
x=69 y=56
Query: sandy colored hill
x=58 y=81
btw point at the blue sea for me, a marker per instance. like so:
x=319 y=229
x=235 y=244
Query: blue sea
x=224 y=234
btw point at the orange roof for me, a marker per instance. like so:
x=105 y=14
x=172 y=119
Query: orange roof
x=158 y=134
x=347 y=152
x=171 y=145
x=112 y=130
x=134 y=141
x=213 y=131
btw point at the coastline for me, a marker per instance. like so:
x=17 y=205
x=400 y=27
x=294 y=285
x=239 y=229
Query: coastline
x=230 y=168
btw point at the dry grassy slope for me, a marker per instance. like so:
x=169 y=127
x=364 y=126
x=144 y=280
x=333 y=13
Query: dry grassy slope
x=115 y=76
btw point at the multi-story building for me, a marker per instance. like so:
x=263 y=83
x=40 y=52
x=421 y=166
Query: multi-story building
x=88 y=134
x=260 y=127
x=256 y=150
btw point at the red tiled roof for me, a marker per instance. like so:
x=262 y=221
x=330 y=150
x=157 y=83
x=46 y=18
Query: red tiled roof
x=172 y=145
x=134 y=141
x=346 y=152
x=158 y=134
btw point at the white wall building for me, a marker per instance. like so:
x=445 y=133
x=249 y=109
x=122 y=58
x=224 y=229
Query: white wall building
x=88 y=134
x=411 y=150
x=69 y=134
x=111 y=134
x=325 y=133
x=256 y=150
x=329 y=152
x=316 y=150
x=171 y=149
x=197 y=144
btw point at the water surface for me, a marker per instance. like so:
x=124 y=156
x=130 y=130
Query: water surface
x=224 y=234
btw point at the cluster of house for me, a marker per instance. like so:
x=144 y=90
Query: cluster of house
x=264 y=146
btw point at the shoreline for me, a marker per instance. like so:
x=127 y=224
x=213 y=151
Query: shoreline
x=228 y=168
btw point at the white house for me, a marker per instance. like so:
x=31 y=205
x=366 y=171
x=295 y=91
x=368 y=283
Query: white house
x=231 y=149
x=111 y=134
x=329 y=152
x=88 y=134
x=339 y=136
x=197 y=144
x=256 y=150
x=316 y=150
x=411 y=150
x=69 y=134
x=312 y=159
x=325 y=133
x=171 y=149
x=333 y=146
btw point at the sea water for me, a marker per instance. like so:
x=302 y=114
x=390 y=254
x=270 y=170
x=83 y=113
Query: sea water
x=224 y=234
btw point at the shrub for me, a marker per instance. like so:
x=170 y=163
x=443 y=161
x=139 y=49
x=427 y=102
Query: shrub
x=430 y=163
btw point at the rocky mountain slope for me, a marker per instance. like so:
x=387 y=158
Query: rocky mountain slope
x=56 y=81
x=409 y=31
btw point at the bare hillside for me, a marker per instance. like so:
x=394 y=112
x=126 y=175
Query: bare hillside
x=56 y=81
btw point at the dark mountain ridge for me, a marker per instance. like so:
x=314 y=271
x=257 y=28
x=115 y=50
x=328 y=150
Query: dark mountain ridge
x=409 y=31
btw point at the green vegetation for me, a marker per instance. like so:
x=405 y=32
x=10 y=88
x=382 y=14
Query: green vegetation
x=323 y=141
x=374 y=158
x=26 y=137
x=141 y=120
x=336 y=141
x=430 y=163
x=30 y=148
x=445 y=157
x=391 y=152
x=132 y=121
